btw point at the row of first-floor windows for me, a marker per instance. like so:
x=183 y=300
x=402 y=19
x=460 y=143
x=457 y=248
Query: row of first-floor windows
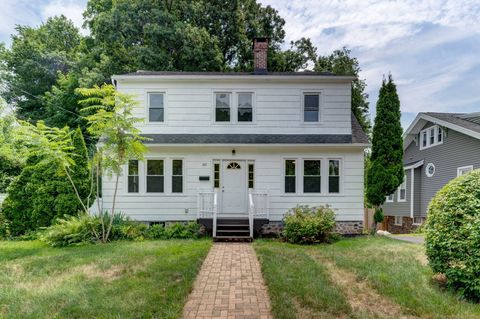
x=155 y=176
x=311 y=175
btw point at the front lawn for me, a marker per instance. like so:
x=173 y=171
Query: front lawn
x=149 y=279
x=367 y=277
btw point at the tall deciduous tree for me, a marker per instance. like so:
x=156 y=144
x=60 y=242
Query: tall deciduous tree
x=340 y=62
x=385 y=172
x=36 y=57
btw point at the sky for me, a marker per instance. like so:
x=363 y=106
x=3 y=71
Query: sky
x=431 y=47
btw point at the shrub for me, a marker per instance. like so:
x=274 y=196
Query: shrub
x=453 y=234
x=156 y=231
x=309 y=225
x=190 y=230
x=39 y=195
x=72 y=230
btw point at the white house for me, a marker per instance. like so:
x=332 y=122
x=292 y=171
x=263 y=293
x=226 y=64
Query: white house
x=242 y=145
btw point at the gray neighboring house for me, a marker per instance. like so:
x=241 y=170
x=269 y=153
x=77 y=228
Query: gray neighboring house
x=437 y=148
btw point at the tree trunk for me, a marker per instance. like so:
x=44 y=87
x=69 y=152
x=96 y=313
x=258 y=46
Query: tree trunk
x=113 y=208
x=76 y=191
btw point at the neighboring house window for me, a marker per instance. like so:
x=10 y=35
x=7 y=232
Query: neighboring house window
x=245 y=107
x=389 y=198
x=398 y=220
x=464 y=170
x=156 y=107
x=155 y=176
x=311 y=176
x=290 y=176
x=402 y=190
x=216 y=175
x=431 y=136
x=222 y=107
x=251 y=175
x=418 y=220
x=311 y=107
x=177 y=176
x=133 y=178
x=430 y=170
x=334 y=176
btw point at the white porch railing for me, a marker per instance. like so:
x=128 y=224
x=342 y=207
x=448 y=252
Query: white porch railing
x=207 y=208
x=258 y=206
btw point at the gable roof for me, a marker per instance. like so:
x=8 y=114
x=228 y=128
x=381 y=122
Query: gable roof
x=466 y=123
x=358 y=137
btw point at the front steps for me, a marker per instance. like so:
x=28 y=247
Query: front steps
x=232 y=228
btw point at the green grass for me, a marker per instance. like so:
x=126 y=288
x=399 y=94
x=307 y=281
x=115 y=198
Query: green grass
x=149 y=279
x=330 y=280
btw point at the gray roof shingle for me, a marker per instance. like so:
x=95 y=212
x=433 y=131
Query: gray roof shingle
x=454 y=118
x=358 y=137
x=152 y=73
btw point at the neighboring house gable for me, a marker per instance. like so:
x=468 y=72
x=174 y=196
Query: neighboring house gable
x=453 y=149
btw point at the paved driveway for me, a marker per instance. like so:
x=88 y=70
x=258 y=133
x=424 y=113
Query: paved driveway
x=416 y=239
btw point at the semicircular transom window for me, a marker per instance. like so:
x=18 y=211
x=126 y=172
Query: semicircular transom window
x=233 y=165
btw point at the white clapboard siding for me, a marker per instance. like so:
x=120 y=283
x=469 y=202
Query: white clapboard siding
x=269 y=176
x=189 y=107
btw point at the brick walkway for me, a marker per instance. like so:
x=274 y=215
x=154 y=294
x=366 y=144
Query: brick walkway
x=229 y=285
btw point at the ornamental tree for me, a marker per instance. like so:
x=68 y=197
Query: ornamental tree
x=385 y=172
x=112 y=122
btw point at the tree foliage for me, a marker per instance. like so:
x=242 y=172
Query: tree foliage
x=42 y=192
x=340 y=62
x=385 y=172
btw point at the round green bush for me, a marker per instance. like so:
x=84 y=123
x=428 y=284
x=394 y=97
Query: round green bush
x=309 y=225
x=453 y=234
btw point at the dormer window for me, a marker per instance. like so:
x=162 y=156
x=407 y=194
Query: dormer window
x=431 y=136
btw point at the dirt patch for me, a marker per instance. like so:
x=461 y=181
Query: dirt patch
x=93 y=271
x=307 y=313
x=361 y=296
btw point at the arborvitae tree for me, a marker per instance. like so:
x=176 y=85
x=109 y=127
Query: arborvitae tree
x=385 y=172
x=41 y=194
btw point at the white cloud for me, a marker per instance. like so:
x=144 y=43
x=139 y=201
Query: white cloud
x=73 y=10
x=13 y=12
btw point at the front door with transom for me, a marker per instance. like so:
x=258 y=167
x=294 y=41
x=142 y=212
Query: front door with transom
x=234 y=188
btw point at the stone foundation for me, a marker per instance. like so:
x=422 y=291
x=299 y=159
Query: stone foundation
x=406 y=227
x=274 y=229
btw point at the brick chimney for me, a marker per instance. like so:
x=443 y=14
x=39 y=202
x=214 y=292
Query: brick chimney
x=260 y=50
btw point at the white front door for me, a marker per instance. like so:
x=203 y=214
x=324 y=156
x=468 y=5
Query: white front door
x=234 y=187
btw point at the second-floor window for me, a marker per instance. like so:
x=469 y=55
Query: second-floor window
x=156 y=107
x=245 y=107
x=222 y=107
x=431 y=136
x=311 y=107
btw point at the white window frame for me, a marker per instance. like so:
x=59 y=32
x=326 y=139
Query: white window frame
x=340 y=175
x=171 y=174
x=320 y=106
x=404 y=185
x=395 y=221
x=422 y=218
x=426 y=135
x=427 y=172
x=322 y=176
x=127 y=174
x=147 y=107
x=390 y=198
x=284 y=169
x=253 y=108
x=164 y=175
x=460 y=169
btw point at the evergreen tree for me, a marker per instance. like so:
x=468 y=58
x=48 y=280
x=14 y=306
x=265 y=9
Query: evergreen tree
x=40 y=194
x=385 y=172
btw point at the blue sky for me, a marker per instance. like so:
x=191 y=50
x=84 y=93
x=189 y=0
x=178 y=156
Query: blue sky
x=430 y=47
